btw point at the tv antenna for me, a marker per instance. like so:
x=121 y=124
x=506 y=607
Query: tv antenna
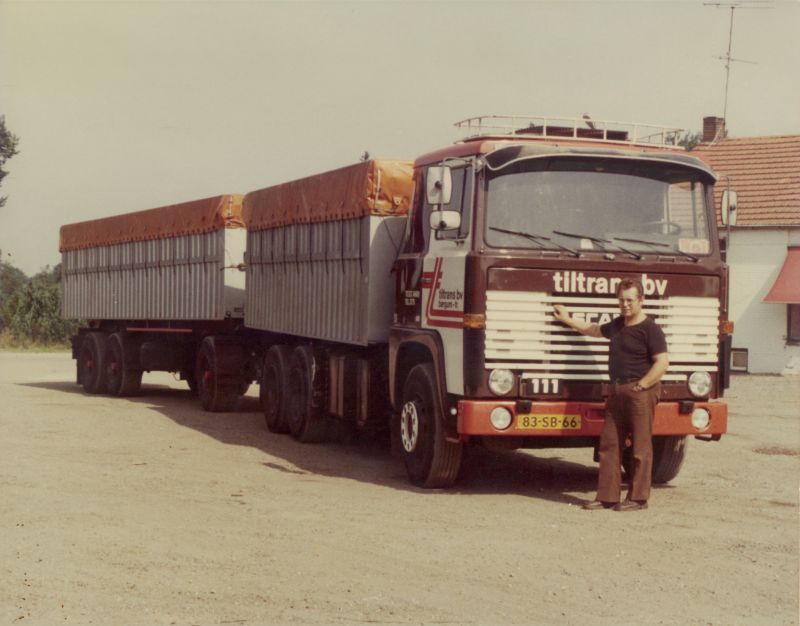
x=733 y=5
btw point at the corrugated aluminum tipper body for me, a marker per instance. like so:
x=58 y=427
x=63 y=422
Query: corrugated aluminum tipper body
x=320 y=252
x=180 y=262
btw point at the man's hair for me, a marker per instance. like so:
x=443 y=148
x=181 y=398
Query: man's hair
x=629 y=283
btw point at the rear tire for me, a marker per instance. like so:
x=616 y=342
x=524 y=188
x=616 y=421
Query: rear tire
x=273 y=388
x=121 y=377
x=91 y=369
x=431 y=460
x=305 y=412
x=218 y=390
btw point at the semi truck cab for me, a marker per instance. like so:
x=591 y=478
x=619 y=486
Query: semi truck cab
x=527 y=213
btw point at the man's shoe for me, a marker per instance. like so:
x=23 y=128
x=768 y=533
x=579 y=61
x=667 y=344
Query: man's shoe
x=597 y=504
x=631 y=505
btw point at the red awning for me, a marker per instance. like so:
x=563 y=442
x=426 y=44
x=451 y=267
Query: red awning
x=786 y=289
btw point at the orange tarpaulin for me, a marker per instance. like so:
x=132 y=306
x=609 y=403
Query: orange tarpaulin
x=786 y=289
x=188 y=218
x=368 y=188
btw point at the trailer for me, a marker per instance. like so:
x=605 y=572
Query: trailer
x=320 y=253
x=417 y=297
x=152 y=285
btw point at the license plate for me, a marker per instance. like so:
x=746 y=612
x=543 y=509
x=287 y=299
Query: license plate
x=543 y=421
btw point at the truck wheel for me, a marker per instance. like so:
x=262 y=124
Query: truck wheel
x=216 y=394
x=305 y=413
x=121 y=378
x=668 y=455
x=431 y=460
x=90 y=363
x=273 y=388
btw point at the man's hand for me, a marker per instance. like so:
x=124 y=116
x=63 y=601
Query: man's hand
x=561 y=314
x=584 y=328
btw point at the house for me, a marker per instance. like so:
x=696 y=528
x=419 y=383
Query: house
x=763 y=245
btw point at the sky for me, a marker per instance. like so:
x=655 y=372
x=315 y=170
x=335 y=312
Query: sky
x=128 y=105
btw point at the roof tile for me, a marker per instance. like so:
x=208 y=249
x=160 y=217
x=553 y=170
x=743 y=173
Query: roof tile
x=764 y=171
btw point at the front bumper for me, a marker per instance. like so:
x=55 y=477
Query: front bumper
x=473 y=418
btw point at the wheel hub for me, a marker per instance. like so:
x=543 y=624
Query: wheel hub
x=409 y=426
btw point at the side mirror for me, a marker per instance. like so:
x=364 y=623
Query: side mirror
x=445 y=220
x=440 y=185
x=728 y=208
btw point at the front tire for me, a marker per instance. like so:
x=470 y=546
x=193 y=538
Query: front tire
x=431 y=460
x=669 y=453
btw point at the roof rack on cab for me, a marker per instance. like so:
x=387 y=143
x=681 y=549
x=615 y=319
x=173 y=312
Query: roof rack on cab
x=568 y=128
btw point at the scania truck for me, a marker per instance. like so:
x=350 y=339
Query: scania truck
x=418 y=297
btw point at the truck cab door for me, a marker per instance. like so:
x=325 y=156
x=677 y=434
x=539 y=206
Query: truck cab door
x=422 y=244
x=432 y=267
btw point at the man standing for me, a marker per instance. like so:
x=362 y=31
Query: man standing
x=637 y=359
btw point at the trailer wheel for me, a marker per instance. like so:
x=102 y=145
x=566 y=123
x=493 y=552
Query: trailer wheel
x=122 y=379
x=431 y=460
x=305 y=413
x=273 y=388
x=216 y=393
x=668 y=455
x=90 y=363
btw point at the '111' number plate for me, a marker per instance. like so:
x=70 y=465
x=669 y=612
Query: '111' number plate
x=549 y=422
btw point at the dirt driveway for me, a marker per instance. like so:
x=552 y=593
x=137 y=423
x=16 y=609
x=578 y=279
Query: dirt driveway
x=150 y=511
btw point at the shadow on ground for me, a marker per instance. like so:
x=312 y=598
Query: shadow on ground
x=359 y=457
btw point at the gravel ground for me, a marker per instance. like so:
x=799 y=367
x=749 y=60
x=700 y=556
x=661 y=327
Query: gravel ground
x=150 y=511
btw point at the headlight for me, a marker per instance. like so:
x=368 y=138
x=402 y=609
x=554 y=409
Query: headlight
x=700 y=419
x=500 y=418
x=501 y=382
x=700 y=384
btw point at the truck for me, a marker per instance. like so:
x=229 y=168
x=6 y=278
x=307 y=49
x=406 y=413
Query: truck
x=416 y=298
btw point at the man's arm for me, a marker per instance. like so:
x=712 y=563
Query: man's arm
x=584 y=328
x=656 y=371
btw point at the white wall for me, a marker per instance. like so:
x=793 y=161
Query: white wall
x=756 y=257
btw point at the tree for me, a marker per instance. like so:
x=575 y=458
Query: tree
x=8 y=148
x=11 y=280
x=34 y=310
x=686 y=139
x=690 y=140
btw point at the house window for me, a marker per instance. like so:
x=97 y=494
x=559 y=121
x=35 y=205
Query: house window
x=793 y=333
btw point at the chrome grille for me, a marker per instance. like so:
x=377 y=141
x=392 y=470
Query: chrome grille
x=521 y=334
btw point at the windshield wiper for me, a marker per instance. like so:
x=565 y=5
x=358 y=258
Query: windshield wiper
x=536 y=239
x=601 y=242
x=658 y=244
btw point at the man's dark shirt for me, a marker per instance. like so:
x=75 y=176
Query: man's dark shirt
x=631 y=351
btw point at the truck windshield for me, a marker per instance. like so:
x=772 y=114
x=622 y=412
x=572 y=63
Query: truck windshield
x=640 y=203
